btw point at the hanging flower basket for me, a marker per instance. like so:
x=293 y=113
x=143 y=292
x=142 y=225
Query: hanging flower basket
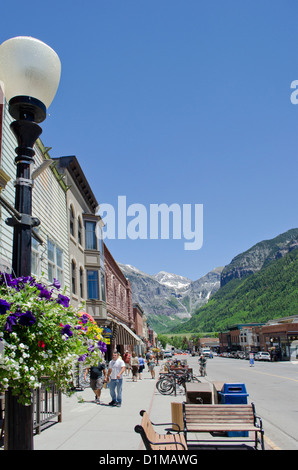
x=42 y=335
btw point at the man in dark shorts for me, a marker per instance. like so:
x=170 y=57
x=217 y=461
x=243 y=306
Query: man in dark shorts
x=97 y=375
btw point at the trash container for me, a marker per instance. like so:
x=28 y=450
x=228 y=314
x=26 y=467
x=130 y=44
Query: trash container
x=234 y=394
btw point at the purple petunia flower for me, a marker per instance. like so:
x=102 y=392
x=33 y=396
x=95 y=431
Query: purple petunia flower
x=8 y=280
x=56 y=283
x=27 y=319
x=4 y=306
x=66 y=330
x=43 y=292
x=84 y=318
x=63 y=300
x=11 y=321
x=82 y=358
x=102 y=346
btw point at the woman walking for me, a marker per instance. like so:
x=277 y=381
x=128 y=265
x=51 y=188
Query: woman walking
x=134 y=367
x=151 y=365
x=141 y=366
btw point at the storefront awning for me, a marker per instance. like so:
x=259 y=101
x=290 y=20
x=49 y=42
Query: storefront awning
x=122 y=334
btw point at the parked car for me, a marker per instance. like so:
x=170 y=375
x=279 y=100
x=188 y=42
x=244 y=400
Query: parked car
x=263 y=356
x=167 y=354
x=240 y=355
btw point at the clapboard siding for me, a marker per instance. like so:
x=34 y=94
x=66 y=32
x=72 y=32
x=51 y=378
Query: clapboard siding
x=48 y=203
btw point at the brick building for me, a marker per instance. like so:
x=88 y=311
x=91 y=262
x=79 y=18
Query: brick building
x=120 y=315
x=278 y=336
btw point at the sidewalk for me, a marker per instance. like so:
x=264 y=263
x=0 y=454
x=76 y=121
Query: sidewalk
x=90 y=426
x=87 y=425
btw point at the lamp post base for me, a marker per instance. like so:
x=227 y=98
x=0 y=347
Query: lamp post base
x=18 y=433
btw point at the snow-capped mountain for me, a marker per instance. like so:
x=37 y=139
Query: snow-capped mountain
x=174 y=281
x=170 y=295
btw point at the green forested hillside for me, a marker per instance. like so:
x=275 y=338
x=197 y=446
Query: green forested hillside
x=267 y=294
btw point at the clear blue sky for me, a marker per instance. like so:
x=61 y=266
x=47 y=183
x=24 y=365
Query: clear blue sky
x=177 y=101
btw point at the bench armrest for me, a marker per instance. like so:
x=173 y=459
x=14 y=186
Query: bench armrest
x=168 y=429
x=259 y=424
x=163 y=424
x=139 y=429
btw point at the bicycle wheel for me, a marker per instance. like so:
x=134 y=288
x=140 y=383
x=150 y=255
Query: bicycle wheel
x=165 y=387
x=181 y=382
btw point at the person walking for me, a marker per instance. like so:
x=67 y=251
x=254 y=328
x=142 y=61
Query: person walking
x=148 y=354
x=127 y=360
x=141 y=366
x=251 y=359
x=115 y=371
x=134 y=367
x=151 y=365
x=96 y=378
x=203 y=365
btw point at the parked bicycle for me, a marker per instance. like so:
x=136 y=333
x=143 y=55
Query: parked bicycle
x=168 y=383
x=80 y=382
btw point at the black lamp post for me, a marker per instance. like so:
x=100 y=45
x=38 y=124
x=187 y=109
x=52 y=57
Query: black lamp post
x=30 y=73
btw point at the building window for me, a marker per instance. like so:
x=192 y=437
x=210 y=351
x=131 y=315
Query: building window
x=55 y=262
x=35 y=267
x=82 y=283
x=92 y=283
x=90 y=235
x=80 y=231
x=73 y=277
x=103 y=285
x=71 y=221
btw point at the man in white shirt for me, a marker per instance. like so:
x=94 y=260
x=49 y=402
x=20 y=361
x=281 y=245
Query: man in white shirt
x=116 y=369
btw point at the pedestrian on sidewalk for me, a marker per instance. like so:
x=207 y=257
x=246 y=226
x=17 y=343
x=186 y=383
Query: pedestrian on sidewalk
x=148 y=354
x=127 y=360
x=141 y=366
x=115 y=371
x=97 y=378
x=151 y=365
x=134 y=366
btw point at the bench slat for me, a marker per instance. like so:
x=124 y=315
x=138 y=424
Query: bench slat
x=207 y=427
x=221 y=419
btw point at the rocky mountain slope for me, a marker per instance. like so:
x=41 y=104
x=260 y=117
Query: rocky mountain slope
x=259 y=255
x=169 y=295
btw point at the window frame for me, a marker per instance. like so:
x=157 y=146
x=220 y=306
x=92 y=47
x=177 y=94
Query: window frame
x=87 y=238
x=71 y=221
x=94 y=285
x=57 y=269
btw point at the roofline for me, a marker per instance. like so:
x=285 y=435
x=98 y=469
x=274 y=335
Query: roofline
x=71 y=164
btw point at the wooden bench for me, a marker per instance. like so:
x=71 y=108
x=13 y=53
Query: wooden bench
x=155 y=441
x=222 y=418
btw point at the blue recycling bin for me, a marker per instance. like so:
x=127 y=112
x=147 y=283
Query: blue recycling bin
x=234 y=394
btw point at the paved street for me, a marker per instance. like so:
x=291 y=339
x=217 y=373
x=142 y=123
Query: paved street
x=86 y=425
x=273 y=387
